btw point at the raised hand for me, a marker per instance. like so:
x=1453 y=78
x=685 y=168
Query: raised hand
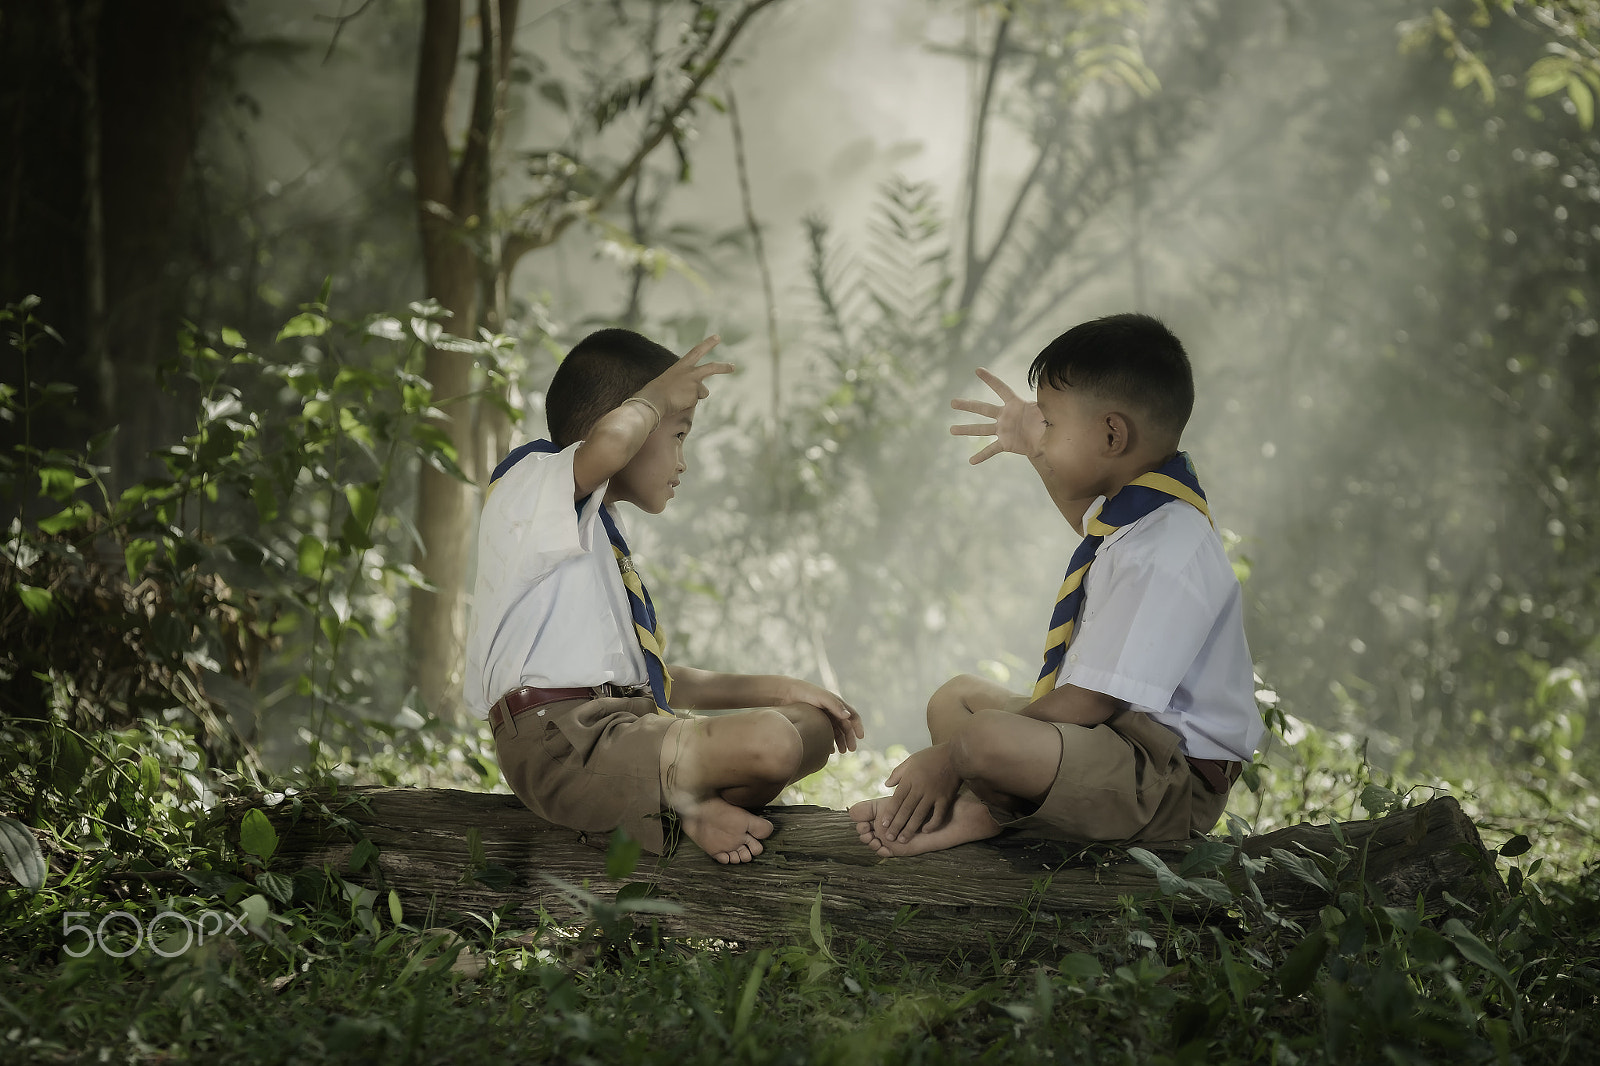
x=683 y=384
x=1016 y=424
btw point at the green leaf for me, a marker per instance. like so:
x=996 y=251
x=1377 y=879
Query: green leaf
x=149 y=774
x=256 y=910
x=1080 y=965
x=71 y=762
x=136 y=555
x=396 y=912
x=247 y=551
x=1517 y=845
x=309 y=556
x=817 y=937
x=363 y=500
x=1548 y=75
x=305 y=324
x=1170 y=883
x=752 y=986
x=1582 y=98
x=1474 y=950
x=622 y=855
x=266 y=499
x=232 y=337
x=554 y=92
x=1300 y=968
x=211 y=882
x=497 y=878
x=1376 y=799
x=354 y=534
x=364 y=851
x=59 y=483
x=36 y=600
x=1304 y=868
x=256 y=834
x=1206 y=856
x=278 y=886
x=71 y=517
x=22 y=854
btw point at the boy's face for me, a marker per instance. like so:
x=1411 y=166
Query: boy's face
x=652 y=474
x=1075 y=442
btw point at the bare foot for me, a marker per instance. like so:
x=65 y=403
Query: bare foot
x=969 y=820
x=727 y=833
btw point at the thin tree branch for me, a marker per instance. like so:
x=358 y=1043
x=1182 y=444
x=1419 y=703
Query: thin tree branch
x=977 y=271
x=1238 y=157
x=339 y=21
x=636 y=221
x=489 y=94
x=523 y=241
x=436 y=68
x=972 y=273
x=767 y=294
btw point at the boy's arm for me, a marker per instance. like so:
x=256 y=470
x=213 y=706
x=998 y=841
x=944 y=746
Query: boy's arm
x=617 y=435
x=1017 y=427
x=1074 y=705
x=1071 y=509
x=694 y=689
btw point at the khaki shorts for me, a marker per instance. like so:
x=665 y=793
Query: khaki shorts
x=1125 y=779
x=592 y=765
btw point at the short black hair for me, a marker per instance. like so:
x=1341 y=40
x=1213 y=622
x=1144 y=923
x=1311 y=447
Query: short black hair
x=600 y=372
x=1127 y=358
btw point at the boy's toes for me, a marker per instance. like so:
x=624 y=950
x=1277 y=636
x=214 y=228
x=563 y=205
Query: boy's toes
x=863 y=812
x=727 y=833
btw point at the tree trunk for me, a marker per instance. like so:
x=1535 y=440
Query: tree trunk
x=453 y=199
x=100 y=107
x=1017 y=893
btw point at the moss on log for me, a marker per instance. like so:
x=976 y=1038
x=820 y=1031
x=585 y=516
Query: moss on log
x=1017 y=894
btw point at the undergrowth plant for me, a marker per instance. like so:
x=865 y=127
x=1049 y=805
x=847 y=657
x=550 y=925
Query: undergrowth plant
x=227 y=592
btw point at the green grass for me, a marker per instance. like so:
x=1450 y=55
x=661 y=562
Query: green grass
x=336 y=975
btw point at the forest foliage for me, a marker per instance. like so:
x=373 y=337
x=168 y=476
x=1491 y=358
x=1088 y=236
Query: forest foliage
x=1388 y=261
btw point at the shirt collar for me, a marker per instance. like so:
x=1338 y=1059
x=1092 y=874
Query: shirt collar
x=1093 y=512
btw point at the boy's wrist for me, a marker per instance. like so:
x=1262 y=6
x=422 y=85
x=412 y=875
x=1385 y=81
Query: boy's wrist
x=649 y=405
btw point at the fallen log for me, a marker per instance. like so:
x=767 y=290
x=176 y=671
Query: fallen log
x=1015 y=893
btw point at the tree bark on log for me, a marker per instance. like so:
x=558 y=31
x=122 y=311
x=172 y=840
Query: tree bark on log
x=1018 y=894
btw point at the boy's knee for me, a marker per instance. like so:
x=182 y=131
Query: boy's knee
x=978 y=748
x=952 y=694
x=774 y=747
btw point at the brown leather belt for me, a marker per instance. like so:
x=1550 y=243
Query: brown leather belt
x=1218 y=774
x=526 y=698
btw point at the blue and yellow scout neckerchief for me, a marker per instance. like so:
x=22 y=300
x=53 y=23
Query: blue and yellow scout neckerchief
x=1175 y=480
x=639 y=602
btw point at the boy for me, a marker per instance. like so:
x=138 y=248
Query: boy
x=1145 y=705
x=564 y=653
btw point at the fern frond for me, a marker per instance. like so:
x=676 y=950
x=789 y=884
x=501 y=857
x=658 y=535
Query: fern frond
x=829 y=285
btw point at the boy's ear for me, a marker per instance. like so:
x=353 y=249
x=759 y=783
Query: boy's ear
x=1118 y=434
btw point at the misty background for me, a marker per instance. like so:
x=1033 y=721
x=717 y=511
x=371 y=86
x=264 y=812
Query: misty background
x=1375 y=243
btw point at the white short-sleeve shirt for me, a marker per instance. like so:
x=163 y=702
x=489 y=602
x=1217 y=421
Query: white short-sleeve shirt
x=549 y=608
x=1162 y=627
